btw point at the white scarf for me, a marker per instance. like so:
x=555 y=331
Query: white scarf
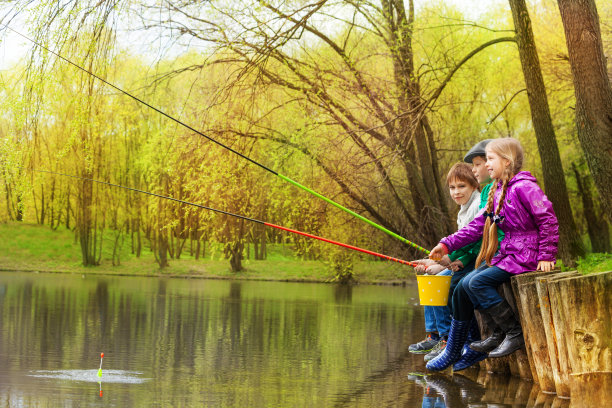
x=469 y=210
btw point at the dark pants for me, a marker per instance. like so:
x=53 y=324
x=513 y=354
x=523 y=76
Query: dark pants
x=478 y=290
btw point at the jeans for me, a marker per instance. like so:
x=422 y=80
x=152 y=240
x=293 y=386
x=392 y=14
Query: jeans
x=438 y=318
x=433 y=402
x=478 y=290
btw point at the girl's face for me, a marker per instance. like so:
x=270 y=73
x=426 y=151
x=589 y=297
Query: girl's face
x=460 y=191
x=478 y=168
x=496 y=165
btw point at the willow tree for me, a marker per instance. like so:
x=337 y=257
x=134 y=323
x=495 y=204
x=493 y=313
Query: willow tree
x=352 y=70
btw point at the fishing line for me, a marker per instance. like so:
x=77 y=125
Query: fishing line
x=280 y=227
x=285 y=178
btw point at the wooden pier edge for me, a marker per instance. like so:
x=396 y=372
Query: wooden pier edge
x=568 y=331
x=525 y=292
x=554 y=328
x=587 y=306
x=591 y=389
x=517 y=363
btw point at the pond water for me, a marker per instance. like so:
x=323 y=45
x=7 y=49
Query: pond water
x=177 y=342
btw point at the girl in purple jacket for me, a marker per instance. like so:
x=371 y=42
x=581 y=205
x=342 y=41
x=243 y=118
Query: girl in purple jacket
x=520 y=208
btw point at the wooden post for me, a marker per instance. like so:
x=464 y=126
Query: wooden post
x=531 y=321
x=557 y=351
x=517 y=363
x=584 y=308
x=591 y=389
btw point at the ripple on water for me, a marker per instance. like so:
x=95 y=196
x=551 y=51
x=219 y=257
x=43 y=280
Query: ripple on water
x=108 y=376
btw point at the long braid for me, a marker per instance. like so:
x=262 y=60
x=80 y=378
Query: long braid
x=492 y=242
x=487 y=226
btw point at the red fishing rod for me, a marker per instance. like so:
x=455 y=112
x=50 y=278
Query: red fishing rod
x=305 y=234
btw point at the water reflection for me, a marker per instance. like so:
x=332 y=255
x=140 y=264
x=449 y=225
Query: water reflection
x=225 y=344
x=482 y=390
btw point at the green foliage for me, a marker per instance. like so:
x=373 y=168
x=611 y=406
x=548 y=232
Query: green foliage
x=341 y=264
x=595 y=262
x=60 y=119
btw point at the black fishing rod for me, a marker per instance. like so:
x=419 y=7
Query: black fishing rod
x=285 y=178
x=354 y=248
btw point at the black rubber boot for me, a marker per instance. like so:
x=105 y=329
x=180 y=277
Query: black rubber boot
x=495 y=339
x=505 y=319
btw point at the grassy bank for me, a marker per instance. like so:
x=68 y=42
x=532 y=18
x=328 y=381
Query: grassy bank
x=32 y=247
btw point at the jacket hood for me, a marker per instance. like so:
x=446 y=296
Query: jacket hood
x=520 y=176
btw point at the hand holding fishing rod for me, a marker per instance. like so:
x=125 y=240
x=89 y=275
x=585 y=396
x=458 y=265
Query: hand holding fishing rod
x=438 y=252
x=285 y=178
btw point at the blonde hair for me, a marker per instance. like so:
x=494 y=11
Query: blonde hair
x=509 y=149
x=462 y=172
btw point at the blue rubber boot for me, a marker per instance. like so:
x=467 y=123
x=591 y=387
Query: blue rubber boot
x=452 y=353
x=470 y=357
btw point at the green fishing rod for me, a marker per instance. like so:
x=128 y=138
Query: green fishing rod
x=285 y=178
x=242 y=217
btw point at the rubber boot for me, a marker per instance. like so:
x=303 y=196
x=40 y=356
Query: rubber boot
x=470 y=357
x=506 y=320
x=452 y=353
x=495 y=339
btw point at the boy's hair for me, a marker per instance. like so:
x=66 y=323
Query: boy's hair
x=510 y=149
x=462 y=172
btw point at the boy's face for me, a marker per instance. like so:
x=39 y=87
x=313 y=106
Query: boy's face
x=460 y=191
x=480 y=171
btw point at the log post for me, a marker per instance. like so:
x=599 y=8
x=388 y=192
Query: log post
x=585 y=307
x=557 y=350
x=517 y=363
x=531 y=320
x=591 y=389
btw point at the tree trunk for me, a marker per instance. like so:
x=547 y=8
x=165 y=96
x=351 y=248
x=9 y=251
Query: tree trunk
x=234 y=252
x=592 y=89
x=570 y=245
x=599 y=232
x=162 y=249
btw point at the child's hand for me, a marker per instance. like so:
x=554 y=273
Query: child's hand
x=455 y=266
x=546 y=266
x=445 y=261
x=438 y=252
x=434 y=269
x=420 y=268
x=422 y=264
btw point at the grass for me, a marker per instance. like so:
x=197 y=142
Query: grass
x=33 y=247
x=593 y=263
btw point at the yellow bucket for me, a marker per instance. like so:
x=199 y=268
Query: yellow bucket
x=433 y=289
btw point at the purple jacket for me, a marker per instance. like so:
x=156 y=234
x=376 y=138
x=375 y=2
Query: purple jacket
x=530 y=225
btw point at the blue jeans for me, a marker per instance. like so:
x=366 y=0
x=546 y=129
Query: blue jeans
x=438 y=318
x=478 y=290
x=433 y=402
